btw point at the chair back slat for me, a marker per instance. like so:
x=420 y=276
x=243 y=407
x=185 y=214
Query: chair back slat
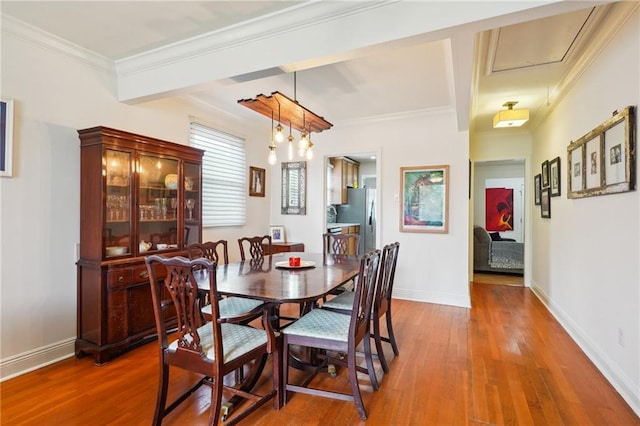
x=255 y=246
x=386 y=277
x=340 y=244
x=213 y=250
x=180 y=290
x=363 y=296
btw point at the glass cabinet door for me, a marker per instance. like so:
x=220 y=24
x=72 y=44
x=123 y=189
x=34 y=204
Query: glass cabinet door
x=158 y=201
x=193 y=209
x=117 y=229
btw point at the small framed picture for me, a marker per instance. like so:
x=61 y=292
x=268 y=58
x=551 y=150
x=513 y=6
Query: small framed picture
x=6 y=137
x=537 y=182
x=545 y=203
x=277 y=233
x=256 y=181
x=554 y=176
x=545 y=174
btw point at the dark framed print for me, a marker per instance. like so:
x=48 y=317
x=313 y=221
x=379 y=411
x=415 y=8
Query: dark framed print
x=256 y=181
x=537 y=182
x=545 y=203
x=554 y=176
x=545 y=173
x=6 y=137
x=603 y=161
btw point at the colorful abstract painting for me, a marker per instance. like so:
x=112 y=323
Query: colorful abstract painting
x=499 y=209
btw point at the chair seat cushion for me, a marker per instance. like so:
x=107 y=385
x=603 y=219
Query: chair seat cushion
x=233 y=306
x=237 y=340
x=343 y=301
x=321 y=323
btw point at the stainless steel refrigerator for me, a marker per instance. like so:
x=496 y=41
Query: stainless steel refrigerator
x=361 y=208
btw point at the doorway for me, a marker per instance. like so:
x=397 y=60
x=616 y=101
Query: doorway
x=351 y=192
x=507 y=179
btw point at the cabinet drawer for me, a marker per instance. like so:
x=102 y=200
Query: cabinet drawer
x=141 y=275
x=119 y=278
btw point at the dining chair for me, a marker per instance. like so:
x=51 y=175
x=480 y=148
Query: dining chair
x=231 y=305
x=381 y=304
x=336 y=332
x=211 y=349
x=255 y=246
x=212 y=250
x=340 y=245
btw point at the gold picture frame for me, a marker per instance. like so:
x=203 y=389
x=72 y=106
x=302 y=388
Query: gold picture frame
x=603 y=161
x=256 y=181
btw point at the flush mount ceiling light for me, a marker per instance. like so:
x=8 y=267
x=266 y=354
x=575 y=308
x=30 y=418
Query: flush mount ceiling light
x=510 y=117
x=289 y=112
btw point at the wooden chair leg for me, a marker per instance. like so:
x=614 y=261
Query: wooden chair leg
x=378 y=339
x=216 y=402
x=392 y=337
x=355 y=389
x=368 y=356
x=161 y=401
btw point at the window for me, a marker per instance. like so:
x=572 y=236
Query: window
x=223 y=176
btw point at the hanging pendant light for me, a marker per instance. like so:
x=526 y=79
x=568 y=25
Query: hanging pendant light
x=273 y=159
x=279 y=136
x=309 y=148
x=289 y=111
x=290 y=139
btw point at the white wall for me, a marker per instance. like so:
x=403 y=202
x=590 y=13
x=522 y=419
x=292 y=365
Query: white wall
x=55 y=96
x=586 y=257
x=430 y=266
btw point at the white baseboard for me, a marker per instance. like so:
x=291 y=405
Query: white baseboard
x=620 y=381
x=32 y=360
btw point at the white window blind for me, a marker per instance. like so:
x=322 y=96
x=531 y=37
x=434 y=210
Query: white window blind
x=224 y=177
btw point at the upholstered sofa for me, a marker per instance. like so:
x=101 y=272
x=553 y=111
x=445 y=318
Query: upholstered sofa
x=496 y=254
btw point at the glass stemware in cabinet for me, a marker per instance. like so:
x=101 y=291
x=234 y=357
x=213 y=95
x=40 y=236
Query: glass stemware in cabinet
x=191 y=203
x=173 y=202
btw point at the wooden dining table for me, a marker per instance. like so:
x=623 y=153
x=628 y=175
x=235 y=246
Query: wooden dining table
x=272 y=279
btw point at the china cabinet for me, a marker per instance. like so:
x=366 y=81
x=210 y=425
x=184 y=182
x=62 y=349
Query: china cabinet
x=138 y=196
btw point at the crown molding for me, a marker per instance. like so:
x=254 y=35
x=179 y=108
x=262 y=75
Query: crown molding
x=299 y=16
x=18 y=29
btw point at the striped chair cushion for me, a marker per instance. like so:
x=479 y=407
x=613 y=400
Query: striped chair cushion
x=237 y=340
x=322 y=324
x=233 y=306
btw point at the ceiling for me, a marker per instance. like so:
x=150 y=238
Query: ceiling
x=531 y=62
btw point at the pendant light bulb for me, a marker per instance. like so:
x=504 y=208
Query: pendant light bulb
x=279 y=136
x=310 y=151
x=302 y=144
x=290 y=139
x=273 y=159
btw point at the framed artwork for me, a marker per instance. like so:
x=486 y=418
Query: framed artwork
x=498 y=209
x=294 y=188
x=256 y=181
x=554 y=176
x=424 y=204
x=6 y=137
x=575 y=183
x=277 y=234
x=603 y=160
x=545 y=202
x=537 y=182
x=545 y=174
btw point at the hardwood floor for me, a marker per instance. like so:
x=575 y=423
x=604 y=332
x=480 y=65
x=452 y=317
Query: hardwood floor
x=502 y=279
x=503 y=362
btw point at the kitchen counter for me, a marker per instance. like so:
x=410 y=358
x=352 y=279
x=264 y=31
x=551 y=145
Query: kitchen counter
x=341 y=225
